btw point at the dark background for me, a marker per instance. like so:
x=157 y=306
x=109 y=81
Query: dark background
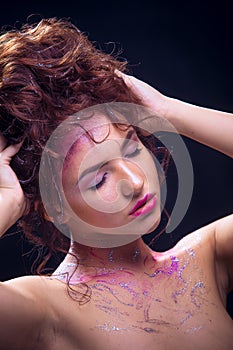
x=183 y=48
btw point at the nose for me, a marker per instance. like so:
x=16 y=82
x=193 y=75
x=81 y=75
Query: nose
x=131 y=178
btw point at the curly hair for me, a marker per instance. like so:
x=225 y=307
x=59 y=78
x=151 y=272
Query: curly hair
x=49 y=71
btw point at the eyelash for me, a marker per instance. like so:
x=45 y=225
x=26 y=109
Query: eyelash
x=134 y=153
x=99 y=184
x=103 y=180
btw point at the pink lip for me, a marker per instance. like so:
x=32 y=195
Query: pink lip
x=144 y=205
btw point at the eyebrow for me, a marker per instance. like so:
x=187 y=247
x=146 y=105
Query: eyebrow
x=128 y=138
x=99 y=165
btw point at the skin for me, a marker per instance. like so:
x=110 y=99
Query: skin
x=128 y=173
x=140 y=298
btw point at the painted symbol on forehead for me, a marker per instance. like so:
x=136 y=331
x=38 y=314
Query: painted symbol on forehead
x=84 y=136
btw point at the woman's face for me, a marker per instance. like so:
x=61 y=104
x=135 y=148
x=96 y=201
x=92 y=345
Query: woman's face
x=112 y=181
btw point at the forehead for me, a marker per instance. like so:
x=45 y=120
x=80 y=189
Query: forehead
x=96 y=126
x=91 y=133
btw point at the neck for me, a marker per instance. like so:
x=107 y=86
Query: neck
x=133 y=253
x=93 y=262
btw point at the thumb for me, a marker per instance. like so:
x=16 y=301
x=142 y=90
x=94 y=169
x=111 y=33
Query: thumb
x=9 y=152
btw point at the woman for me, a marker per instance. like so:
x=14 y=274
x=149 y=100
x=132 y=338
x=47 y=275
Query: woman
x=119 y=295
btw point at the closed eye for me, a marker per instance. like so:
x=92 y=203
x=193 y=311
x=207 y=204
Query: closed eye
x=134 y=153
x=100 y=183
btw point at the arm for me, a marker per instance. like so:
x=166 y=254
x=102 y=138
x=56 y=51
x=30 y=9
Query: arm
x=214 y=242
x=22 y=315
x=210 y=127
x=224 y=249
x=12 y=200
x=220 y=234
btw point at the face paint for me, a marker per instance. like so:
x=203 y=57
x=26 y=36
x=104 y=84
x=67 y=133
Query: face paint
x=108 y=327
x=167 y=270
x=197 y=293
x=118 y=293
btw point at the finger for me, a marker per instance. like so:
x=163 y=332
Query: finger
x=3 y=142
x=10 y=151
x=132 y=83
x=123 y=76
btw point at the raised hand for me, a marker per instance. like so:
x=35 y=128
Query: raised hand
x=149 y=96
x=210 y=127
x=157 y=103
x=12 y=199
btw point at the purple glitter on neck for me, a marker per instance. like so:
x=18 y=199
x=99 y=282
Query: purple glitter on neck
x=168 y=271
x=174 y=265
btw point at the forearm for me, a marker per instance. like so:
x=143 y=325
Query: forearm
x=10 y=213
x=210 y=127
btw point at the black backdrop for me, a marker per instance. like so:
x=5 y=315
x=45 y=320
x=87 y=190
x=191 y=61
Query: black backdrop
x=185 y=49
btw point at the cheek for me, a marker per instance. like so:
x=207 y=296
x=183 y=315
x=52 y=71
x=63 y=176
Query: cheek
x=108 y=192
x=151 y=172
x=92 y=204
x=95 y=215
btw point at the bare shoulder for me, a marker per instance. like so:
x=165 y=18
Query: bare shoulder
x=201 y=240
x=216 y=236
x=213 y=247
x=25 y=309
x=215 y=243
x=197 y=251
x=33 y=286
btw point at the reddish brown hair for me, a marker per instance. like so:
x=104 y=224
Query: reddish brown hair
x=49 y=71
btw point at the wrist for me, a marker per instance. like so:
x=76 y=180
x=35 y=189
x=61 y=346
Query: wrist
x=175 y=114
x=12 y=208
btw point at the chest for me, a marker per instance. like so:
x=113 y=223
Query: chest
x=161 y=313
x=161 y=309
x=154 y=304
